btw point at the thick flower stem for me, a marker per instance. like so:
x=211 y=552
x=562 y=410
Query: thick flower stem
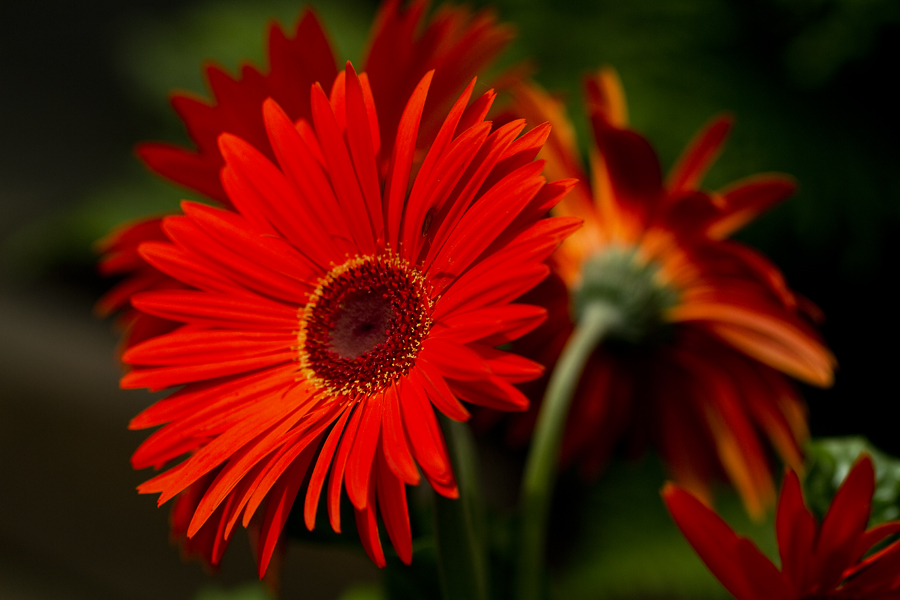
x=597 y=319
x=458 y=523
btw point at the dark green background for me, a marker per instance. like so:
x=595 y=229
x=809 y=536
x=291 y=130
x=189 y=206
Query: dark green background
x=809 y=81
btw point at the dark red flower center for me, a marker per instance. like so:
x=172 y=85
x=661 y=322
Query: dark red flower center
x=364 y=325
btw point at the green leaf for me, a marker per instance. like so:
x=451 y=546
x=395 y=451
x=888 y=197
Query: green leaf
x=828 y=462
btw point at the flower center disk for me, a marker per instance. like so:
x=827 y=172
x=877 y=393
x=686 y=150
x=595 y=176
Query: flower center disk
x=364 y=325
x=618 y=278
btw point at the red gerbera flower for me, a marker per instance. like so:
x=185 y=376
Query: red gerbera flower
x=334 y=307
x=697 y=366
x=454 y=42
x=817 y=562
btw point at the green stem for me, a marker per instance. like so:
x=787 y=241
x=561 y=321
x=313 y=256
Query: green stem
x=596 y=320
x=458 y=524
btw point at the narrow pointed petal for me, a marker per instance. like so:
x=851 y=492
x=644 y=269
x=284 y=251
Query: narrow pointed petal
x=747 y=199
x=359 y=138
x=344 y=181
x=715 y=543
x=362 y=456
x=367 y=524
x=427 y=441
x=699 y=155
x=843 y=524
x=281 y=499
x=796 y=530
x=395 y=447
x=392 y=500
x=323 y=462
x=397 y=182
x=336 y=479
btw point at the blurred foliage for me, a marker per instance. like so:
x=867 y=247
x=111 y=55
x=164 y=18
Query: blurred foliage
x=803 y=77
x=808 y=83
x=682 y=62
x=627 y=546
x=159 y=55
x=250 y=591
x=609 y=539
x=362 y=592
x=829 y=461
x=72 y=236
x=830 y=34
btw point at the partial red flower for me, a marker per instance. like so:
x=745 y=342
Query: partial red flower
x=831 y=560
x=334 y=308
x=698 y=370
x=454 y=42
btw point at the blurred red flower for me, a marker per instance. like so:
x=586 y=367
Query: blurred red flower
x=334 y=307
x=711 y=328
x=454 y=42
x=817 y=562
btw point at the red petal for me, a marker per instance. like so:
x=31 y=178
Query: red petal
x=748 y=198
x=268 y=411
x=469 y=187
x=394 y=511
x=699 y=155
x=453 y=359
x=342 y=176
x=480 y=226
x=715 y=542
x=162 y=377
x=430 y=193
x=323 y=462
x=174 y=261
x=873 y=536
x=218 y=310
x=434 y=157
x=606 y=98
x=263 y=264
x=300 y=159
x=492 y=392
x=241 y=462
x=432 y=384
x=198 y=347
x=266 y=257
x=426 y=440
x=796 y=530
x=184 y=168
x=359 y=138
x=367 y=525
x=397 y=181
x=491 y=282
x=336 y=479
x=844 y=523
x=877 y=577
x=362 y=456
x=297 y=62
x=511 y=320
x=507 y=365
x=762 y=330
x=633 y=169
x=281 y=499
x=393 y=440
x=263 y=195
